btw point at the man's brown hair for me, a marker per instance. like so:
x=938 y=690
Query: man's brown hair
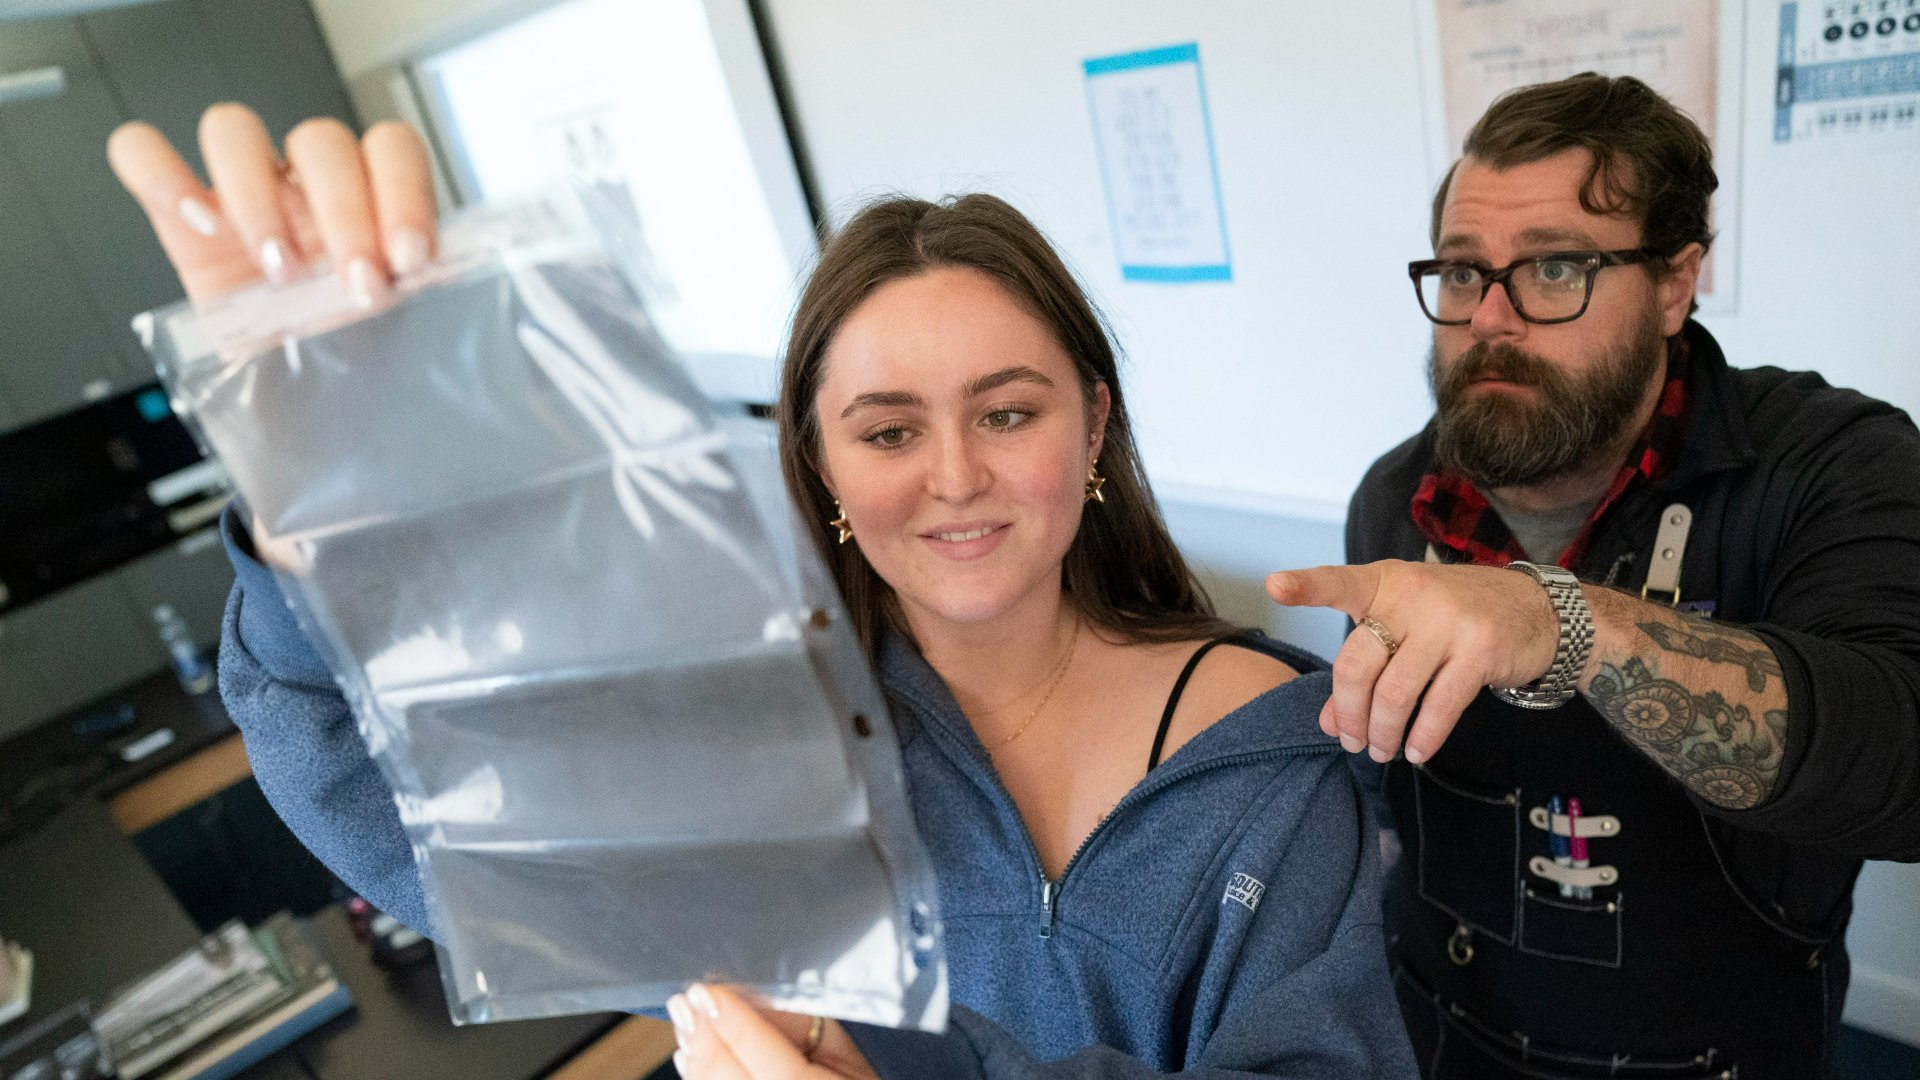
x=1650 y=160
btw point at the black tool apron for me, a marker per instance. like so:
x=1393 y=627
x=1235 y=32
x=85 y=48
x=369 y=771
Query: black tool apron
x=1673 y=970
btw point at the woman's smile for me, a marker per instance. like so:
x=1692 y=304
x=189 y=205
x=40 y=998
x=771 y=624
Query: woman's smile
x=964 y=542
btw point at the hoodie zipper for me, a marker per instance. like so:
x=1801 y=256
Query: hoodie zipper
x=1050 y=887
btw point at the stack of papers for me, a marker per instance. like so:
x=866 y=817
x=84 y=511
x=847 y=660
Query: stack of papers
x=16 y=980
x=229 y=1002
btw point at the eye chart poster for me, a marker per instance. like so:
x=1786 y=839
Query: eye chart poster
x=1155 y=142
x=1849 y=74
x=1689 y=50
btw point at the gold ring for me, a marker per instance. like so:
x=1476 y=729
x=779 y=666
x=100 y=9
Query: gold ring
x=1379 y=630
x=815 y=1032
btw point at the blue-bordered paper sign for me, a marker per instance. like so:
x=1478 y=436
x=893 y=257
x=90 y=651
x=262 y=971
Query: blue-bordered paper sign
x=1155 y=141
x=1848 y=74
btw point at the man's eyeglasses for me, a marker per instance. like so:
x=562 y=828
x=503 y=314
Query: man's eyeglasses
x=1543 y=289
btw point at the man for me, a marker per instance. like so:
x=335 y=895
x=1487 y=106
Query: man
x=1636 y=857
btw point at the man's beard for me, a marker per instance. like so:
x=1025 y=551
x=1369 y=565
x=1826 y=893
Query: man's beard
x=1497 y=440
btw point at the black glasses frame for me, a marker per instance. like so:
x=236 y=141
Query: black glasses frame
x=1594 y=261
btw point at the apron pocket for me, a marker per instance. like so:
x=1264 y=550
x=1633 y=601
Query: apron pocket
x=1469 y=1050
x=1469 y=851
x=1584 y=931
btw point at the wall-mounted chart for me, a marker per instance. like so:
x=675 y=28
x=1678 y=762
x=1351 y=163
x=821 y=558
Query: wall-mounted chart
x=1156 y=155
x=1849 y=74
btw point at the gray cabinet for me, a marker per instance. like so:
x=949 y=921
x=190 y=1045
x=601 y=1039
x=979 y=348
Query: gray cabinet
x=82 y=643
x=278 y=60
x=77 y=259
x=56 y=151
x=193 y=576
x=55 y=352
x=87 y=641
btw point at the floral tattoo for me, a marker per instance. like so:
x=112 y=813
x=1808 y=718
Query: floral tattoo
x=1714 y=746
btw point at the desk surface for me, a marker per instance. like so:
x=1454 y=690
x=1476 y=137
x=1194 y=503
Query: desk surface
x=400 y=1027
x=78 y=894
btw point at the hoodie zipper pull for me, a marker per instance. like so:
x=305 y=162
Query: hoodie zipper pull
x=1047 y=891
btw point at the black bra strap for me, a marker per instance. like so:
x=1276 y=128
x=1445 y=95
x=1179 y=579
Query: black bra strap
x=1179 y=686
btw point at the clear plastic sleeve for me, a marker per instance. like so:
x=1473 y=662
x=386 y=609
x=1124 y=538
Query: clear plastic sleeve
x=630 y=733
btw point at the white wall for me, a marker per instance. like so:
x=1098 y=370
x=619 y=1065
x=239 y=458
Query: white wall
x=1290 y=379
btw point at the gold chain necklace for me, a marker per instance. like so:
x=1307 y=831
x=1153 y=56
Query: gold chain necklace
x=1059 y=673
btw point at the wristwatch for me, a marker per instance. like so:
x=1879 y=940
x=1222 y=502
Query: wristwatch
x=1555 y=688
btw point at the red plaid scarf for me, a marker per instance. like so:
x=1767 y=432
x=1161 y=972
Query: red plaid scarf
x=1454 y=516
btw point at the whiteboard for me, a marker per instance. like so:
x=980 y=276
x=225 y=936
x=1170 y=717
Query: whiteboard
x=1276 y=389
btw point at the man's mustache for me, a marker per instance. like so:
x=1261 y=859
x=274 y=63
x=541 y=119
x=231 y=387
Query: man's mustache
x=1503 y=362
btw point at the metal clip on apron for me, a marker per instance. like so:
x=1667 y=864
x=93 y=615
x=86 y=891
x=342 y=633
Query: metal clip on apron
x=1669 y=548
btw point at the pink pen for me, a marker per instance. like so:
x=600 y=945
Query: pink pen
x=1579 y=843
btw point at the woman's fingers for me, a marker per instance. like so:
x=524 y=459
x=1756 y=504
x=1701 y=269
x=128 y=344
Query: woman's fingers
x=325 y=155
x=204 y=248
x=365 y=204
x=402 y=183
x=759 y=1047
x=245 y=170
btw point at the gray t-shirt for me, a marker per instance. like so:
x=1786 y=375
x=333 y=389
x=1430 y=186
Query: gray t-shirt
x=1544 y=536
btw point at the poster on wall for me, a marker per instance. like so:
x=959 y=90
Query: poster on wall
x=1848 y=74
x=1155 y=144
x=1689 y=50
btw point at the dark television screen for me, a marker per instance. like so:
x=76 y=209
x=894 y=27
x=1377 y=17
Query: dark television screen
x=91 y=489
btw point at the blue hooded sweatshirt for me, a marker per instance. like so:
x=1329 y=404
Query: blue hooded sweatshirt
x=1224 y=920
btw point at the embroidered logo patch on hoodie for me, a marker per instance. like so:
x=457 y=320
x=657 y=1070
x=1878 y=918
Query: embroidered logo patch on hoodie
x=1245 y=890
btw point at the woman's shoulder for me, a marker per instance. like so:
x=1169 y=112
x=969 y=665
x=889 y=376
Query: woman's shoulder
x=1246 y=673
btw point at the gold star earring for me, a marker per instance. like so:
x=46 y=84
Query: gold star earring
x=1094 y=483
x=846 y=530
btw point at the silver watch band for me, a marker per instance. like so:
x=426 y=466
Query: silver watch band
x=1556 y=687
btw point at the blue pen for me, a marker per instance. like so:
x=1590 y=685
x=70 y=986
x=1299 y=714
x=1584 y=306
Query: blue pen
x=1559 y=843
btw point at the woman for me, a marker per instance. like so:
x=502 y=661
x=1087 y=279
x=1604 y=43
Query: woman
x=952 y=427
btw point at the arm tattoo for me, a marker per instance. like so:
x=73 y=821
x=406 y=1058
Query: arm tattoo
x=1714 y=747
x=1718 y=645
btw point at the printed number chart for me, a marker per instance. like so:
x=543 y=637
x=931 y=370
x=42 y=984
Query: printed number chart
x=1849 y=73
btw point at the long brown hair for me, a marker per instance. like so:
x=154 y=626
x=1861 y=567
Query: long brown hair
x=1122 y=569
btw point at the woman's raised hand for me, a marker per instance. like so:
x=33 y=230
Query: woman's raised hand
x=364 y=204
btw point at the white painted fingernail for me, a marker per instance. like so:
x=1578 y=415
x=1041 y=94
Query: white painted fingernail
x=273 y=260
x=198 y=217
x=407 y=251
x=363 y=282
x=682 y=1015
x=1352 y=744
x=703 y=1001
